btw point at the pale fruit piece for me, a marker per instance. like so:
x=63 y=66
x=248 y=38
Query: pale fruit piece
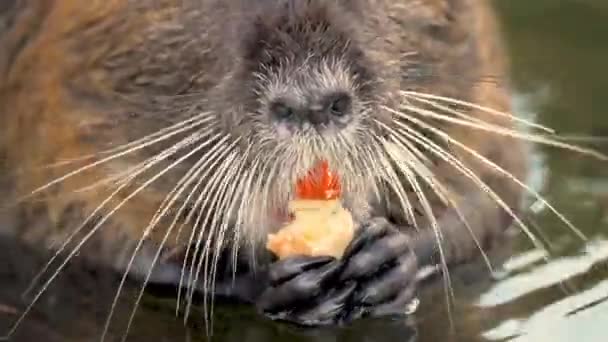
x=319 y=228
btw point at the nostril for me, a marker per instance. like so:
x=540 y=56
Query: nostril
x=318 y=117
x=339 y=104
x=280 y=110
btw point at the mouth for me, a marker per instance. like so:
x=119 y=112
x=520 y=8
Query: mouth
x=320 y=183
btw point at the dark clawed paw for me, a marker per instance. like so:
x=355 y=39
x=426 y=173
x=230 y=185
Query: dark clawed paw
x=301 y=290
x=384 y=266
x=374 y=278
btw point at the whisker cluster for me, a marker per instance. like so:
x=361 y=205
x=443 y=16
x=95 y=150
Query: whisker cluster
x=233 y=188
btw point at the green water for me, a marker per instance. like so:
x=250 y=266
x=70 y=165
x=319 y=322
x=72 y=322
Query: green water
x=559 y=49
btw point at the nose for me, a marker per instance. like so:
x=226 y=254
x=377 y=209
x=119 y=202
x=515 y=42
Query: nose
x=332 y=107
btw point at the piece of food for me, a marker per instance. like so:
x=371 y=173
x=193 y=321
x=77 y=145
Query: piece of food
x=321 y=226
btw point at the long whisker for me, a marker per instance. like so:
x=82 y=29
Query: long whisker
x=244 y=191
x=507 y=132
x=247 y=194
x=393 y=182
x=142 y=167
x=420 y=96
x=501 y=170
x=141 y=292
x=219 y=189
x=203 y=117
x=434 y=225
x=73 y=235
x=209 y=193
x=252 y=215
x=232 y=200
x=110 y=158
x=447 y=109
x=429 y=178
x=461 y=168
x=412 y=157
x=194 y=138
x=193 y=174
x=382 y=168
x=169 y=200
x=122 y=176
x=441 y=153
x=114 y=180
x=357 y=156
x=184 y=182
x=205 y=257
x=215 y=156
x=210 y=164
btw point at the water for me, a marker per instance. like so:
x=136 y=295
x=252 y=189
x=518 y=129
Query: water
x=558 y=52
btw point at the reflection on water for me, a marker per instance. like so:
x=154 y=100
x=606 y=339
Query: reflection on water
x=541 y=274
x=559 y=50
x=576 y=312
x=558 y=56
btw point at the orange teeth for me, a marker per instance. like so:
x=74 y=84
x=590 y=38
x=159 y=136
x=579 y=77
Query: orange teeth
x=319 y=184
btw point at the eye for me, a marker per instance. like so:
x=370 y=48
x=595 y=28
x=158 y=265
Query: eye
x=280 y=110
x=340 y=104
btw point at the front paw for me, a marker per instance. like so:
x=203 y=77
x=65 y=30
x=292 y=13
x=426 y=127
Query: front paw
x=375 y=278
x=380 y=260
x=303 y=291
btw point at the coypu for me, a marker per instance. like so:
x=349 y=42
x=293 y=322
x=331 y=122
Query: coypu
x=169 y=133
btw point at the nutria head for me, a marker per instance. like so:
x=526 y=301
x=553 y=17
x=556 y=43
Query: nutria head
x=245 y=96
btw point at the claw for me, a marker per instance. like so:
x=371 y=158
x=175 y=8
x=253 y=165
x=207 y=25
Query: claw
x=303 y=287
x=330 y=308
x=399 y=306
x=388 y=285
x=355 y=313
x=375 y=255
x=368 y=232
x=291 y=267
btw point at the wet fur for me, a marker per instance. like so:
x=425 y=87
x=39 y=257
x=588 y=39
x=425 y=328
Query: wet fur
x=116 y=71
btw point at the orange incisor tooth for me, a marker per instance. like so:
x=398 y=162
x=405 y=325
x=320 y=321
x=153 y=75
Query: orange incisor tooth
x=319 y=184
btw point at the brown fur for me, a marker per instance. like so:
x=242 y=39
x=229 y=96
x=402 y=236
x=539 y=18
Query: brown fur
x=78 y=77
